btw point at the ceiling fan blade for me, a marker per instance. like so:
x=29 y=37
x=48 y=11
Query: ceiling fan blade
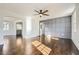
x=37 y=11
x=45 y=11
x=46 y=14
x=36 y=14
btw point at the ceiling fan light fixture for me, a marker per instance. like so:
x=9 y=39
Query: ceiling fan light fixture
x=40 y=15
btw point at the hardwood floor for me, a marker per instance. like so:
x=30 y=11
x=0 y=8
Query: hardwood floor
x=21 y=46
x=18 y=46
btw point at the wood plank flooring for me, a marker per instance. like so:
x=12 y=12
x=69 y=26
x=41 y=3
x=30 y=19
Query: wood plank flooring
x=21 y=46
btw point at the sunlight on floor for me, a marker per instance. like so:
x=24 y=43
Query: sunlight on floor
x=55 y=38
x=36 y=43
x=42 y=48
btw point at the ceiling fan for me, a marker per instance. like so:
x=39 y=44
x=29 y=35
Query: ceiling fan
x=42 y=13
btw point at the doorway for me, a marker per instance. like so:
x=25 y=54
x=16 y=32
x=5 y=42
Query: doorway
x=19 y=26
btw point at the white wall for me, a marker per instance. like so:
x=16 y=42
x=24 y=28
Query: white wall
x=75 y=26
x=34 y=28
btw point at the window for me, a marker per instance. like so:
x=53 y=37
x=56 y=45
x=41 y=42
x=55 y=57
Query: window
x=5 y=26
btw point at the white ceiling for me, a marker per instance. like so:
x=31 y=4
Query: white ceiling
x=27 y=9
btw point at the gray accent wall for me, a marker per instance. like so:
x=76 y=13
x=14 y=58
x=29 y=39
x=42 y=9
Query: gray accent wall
x=58 y=27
